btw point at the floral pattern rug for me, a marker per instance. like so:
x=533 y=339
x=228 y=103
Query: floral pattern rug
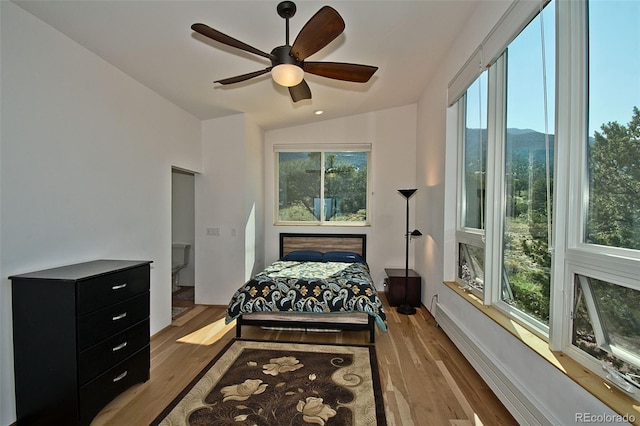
x=275 y=383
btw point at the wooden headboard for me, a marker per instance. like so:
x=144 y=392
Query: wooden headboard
x=356 y=243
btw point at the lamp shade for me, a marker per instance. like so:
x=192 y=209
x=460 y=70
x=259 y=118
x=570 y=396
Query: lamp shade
x=406 y=193
x=287 y=75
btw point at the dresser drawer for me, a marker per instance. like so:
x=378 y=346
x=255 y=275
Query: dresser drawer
x=106 y=354
x=111 y=320
x=100 y=391
x=101 y=291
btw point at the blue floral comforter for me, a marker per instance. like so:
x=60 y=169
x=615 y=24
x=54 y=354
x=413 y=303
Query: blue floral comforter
x=309 y=287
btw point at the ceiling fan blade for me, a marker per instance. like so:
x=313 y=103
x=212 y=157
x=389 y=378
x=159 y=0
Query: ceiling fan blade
x=243 y=77
x=341 y=71
x=320 y=30
x=300 y=92
x=216 y=35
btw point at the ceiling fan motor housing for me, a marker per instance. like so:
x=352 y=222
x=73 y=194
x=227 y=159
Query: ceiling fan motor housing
x=282 y=55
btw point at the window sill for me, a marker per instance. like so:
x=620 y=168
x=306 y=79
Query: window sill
x=592 y=383
x=326 y=224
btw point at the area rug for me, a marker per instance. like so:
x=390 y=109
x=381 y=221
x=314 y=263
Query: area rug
x=275 y=383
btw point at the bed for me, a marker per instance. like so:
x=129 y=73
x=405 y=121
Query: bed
x=321 y=281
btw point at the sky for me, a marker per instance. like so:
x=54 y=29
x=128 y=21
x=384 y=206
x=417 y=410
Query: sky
x=614 y=74
x=526 y=81
x=614 y=80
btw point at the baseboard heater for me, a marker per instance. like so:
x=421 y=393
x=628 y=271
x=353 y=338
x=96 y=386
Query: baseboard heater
x=510 y=392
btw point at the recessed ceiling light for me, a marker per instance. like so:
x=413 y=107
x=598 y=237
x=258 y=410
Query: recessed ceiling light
x=318 y=112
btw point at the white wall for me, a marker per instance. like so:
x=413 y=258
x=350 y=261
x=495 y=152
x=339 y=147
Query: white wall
x=432 y=176
x=254 y=200
x=549 y=395
x=392 y=134
x=229 y=202
x=86 y=155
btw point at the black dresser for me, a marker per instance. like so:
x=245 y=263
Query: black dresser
x=80 y=338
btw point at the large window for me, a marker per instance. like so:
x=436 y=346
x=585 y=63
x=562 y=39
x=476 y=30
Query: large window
x=323 y=186
x=549 y=220
x=528 y=154
x=604 y=257
x=473 y=163
x=506 y=156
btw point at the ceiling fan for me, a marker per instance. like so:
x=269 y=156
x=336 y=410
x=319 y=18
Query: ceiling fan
x=288 y=62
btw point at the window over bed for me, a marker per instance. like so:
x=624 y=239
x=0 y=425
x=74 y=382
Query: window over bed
x=322 y=185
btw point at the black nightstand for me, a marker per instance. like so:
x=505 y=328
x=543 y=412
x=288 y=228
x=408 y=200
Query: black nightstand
x=394 y=287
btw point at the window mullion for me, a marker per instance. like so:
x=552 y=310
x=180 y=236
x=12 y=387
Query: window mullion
x=461 y=125
x=569 y=176
x=495 y=180
x=322 y=176
x=576 y=114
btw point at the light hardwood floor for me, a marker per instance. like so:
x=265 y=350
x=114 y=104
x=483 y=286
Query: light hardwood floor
x=425 y=380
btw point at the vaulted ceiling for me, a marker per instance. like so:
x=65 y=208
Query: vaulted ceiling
x=152 y=42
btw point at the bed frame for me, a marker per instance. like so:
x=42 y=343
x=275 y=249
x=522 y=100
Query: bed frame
x=356 y=243
x=289 y=242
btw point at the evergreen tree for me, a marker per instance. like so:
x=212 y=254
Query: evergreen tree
x=614 y=179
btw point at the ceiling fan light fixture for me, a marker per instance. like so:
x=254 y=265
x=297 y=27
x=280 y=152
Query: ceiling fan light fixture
x=288 y=66
x=287 y=75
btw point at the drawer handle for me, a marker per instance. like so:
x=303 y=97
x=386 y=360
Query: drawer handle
x=119 y=317
x=118 y=287
x=120 y=377
x=120 y=346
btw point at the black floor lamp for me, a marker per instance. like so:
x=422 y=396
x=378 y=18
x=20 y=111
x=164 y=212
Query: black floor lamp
x=405 y=308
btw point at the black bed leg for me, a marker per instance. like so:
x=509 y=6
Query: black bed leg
x=372 y=331
x=238 y=328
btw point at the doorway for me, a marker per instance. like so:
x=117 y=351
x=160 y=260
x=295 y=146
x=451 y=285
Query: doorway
x=182 y=241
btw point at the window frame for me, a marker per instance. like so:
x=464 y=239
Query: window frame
x=570 y=254
x=492 y=237
x=322 y=149
x=588 y=271
x=498 y=121
x=616 y=265
x=466 y=235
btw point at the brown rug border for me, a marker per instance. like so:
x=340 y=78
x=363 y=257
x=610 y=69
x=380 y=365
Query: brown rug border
x=381 y=418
